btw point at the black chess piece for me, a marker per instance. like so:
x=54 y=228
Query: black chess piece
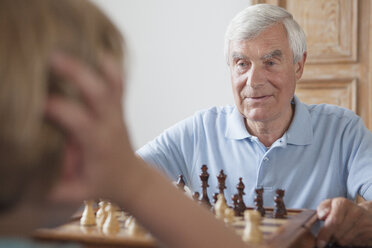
x=204 y=176
x=235 y=199
x=279 y=211
x=181 y=183
x=241 y=205
x=215 y=198
x=196 y=196
x=221 y=182
x=258 y=201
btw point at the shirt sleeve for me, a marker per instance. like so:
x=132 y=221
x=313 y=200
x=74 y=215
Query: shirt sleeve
x=358 y=147
x=172 y=151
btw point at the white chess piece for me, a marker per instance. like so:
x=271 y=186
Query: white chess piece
x=134 y=229
x=111 y=225
x=102 y=213
x=252 y=233
x=229 y=215
x=88 y=218
x=220 y=206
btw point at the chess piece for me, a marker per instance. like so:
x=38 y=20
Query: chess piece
x=235 y=199
x=111 y=225
x=102 y=213
x=221 y=182
x=215 y=198
x=134 y=229
x=279 y=211
x=196 y=196
x=229 y=215
x=258 y=201
x=241 y=205
x=181 y=183
x=204 y=176
x=252 y=233
x=88 y=218
x=220 y=207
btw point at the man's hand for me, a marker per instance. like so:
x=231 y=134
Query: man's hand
x=345 y=222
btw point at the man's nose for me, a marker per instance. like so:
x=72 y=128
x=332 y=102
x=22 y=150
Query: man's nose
x=256 y=77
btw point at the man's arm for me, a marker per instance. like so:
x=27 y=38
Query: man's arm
x=172 y=152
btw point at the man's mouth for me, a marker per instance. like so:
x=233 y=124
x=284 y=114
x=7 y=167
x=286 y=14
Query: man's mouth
x=258 y=97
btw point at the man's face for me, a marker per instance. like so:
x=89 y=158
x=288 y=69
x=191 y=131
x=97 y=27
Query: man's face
x=263 y=75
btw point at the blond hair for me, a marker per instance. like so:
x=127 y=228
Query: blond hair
x=30 y=146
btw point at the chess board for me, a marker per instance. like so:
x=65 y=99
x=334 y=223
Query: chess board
x=293 y=231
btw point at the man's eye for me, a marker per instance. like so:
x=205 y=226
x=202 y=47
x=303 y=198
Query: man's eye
x=242 y=64
x=270 y=63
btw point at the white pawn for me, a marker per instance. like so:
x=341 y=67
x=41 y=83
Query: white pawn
x=220 y=206
x=88 y=218
x=102 y=213
x=229 y=215
x=134 y=229
x=111 y=225
x=252 y=233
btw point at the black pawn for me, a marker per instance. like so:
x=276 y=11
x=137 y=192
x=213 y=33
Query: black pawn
x=235 y=199
x=196 y=196
x=215 y=198
x=181 y=183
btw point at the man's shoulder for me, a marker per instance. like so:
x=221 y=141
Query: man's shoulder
x=215 y=111
x=330 y=111
x=203 y=119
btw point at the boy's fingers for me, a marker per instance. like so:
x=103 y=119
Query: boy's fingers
x=113 y=74
x=69 y=115
x=88 y=83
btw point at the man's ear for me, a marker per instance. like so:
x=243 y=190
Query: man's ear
x=69 y=187
x=299 y=67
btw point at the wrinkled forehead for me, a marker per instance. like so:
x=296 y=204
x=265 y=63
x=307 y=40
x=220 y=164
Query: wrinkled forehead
x=270 y=43
x=276 y=53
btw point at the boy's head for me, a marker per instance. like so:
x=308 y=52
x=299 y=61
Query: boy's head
x=31 y=148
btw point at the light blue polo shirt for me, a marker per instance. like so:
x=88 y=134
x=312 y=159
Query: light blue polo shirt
x=326 y=153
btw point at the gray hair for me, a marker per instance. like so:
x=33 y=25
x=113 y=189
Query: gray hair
x=248 y=23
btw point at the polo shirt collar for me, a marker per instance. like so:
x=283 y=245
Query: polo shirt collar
x=300 y=131
x=235 y=128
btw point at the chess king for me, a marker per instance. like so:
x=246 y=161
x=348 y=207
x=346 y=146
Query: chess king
x=320 y=154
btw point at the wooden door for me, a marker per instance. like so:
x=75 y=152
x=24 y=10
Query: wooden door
x=339 y=42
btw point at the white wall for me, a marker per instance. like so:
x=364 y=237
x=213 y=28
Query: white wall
x=176 y=59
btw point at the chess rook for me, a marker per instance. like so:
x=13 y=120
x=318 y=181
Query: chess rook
x=279 y=211
x=258 y=201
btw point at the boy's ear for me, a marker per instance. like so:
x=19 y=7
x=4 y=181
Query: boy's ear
x=69 y=187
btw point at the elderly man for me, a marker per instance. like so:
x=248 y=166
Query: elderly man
x=320 y=154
